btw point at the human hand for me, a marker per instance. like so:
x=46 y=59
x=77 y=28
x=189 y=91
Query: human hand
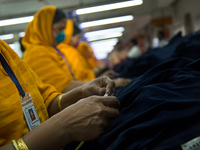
x=102 y=65
x=98 y=86
x=110 y=73
x=121 y=82
x=88 y=118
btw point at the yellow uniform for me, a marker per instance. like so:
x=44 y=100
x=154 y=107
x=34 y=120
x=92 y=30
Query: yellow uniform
x=40 y=53
x=12 y=123
x=88 y=54
x=79 y=65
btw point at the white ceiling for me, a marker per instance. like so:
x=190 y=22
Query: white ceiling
x=142 y=14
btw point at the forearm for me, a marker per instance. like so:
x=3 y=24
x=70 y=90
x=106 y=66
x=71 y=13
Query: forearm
x=67 y=99
x=48 y=135
x=73 y=85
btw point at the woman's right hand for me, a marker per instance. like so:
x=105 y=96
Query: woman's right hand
x=88 y=118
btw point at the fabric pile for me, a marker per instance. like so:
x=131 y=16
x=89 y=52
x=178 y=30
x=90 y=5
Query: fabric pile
x=160 y=108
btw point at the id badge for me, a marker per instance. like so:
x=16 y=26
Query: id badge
x=29 y=111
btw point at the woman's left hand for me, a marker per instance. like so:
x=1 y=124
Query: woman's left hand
x=98 y=86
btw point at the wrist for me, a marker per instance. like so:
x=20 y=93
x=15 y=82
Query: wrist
x=63 y=132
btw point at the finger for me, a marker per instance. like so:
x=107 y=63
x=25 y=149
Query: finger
x=96 y=90
x=102 y=91
x=111 y=101
x=111 y=113
x=108 y=83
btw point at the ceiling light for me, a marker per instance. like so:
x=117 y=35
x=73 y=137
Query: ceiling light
x=104 y=43
x=101 y=55
x=21 y=20
x=109 y=7
x=106 y=21
x=6 y=36
x=105 y=36
x=102 y=32
x=103 y=49
x=21 y=34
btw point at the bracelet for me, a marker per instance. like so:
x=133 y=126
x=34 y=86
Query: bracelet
x=21 y=144
x=15 y=144
x=59 y=103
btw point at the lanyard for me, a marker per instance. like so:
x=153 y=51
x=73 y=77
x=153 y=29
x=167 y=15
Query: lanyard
x=66 y=62
x=11 y=75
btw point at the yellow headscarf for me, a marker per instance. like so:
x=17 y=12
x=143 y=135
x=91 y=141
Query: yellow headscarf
x=39 y=29
x=40 y=53
x=77 y=62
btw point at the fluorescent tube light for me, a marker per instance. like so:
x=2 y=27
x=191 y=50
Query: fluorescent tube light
x=98 y=44
x=107 y=49
x=101 y=55
x=106 y=21
x=14 y=21
x=21 y=34
x=105 y=36
x=102 y=32
x=6 y=36
x=109 y=7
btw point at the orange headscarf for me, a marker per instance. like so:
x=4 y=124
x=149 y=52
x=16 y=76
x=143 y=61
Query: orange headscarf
x=40 y=53
x=76 y=61
x=87 y=52
x=12 y=123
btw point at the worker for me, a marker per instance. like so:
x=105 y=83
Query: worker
x=40 y=41
x=162 y=41
x=135 y=51
x=26 y=105
x=77 y=59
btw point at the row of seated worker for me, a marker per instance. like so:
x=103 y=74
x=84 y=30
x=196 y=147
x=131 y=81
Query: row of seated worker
x=53 y=51
x=131 y=50
x=158 y=110
x=35 y=115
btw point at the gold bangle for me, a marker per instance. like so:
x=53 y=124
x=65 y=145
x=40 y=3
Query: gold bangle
x=59 y=103
x=15 y=144
x=21 y=144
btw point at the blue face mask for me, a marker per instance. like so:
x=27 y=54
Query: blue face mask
x=60 y=37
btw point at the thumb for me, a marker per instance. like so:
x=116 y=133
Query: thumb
x=102 y=91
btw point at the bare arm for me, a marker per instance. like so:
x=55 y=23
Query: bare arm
x=82 y=121
x=95 y=87
x=68 y=99
x=45 y=136
x=73 y=85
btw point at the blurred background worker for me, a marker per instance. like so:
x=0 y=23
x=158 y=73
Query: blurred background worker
x=162 y=41
x=135 y=51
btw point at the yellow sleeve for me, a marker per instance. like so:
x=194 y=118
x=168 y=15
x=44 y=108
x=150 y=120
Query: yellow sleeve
x=78 y=64
x=49 y=66
x=12 y=122
x=86 y=51
x=47 y=91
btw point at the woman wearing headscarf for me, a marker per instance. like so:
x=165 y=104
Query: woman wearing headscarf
x=76 y=57
x=26 y=105
x=42 y=36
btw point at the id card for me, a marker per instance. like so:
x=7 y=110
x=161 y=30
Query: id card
x=29 y=111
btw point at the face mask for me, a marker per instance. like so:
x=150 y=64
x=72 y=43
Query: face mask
x=60 y=37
